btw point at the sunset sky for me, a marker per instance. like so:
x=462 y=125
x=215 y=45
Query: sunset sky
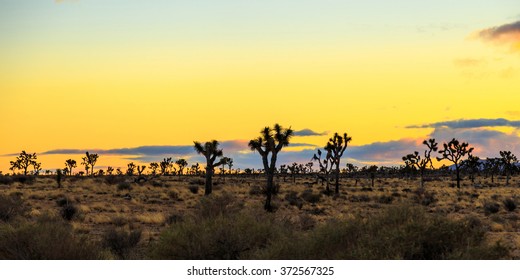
x=141 y=80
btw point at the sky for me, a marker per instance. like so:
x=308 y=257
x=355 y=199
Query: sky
x=141 y=80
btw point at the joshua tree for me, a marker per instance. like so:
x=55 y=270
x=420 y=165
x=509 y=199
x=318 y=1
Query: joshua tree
x=492 y=166
x=37 y=168
x=337 y=145
x=58 y=177
x=165 y=165
x=455 y=151
x=271 y=141
x=70 y=163
x=23 y=161
x=508 y=162
x=415 y=161
x=131 y=169
x=225 y=161
x=294 y=169
x=326 y=166
x=472 y=165
x=230 y=164
x=181 y=163
x=90 y=161
x=211 y=152
x=153 y=167
x=110 y=169
x=195 y=169
x=140 y=169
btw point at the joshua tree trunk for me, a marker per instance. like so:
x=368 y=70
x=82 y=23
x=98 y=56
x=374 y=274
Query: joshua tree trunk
x=209 y=182
x=337 y=179
x=269 y=191
x=458 y=176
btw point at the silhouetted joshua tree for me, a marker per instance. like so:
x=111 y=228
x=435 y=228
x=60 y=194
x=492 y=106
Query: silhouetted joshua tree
x=415 y=161
x=130 y=169
x=165 y=165
x=110 y=169
x=153 y=168
x=337 y=146
x=508 y=162
x=23 y=161
x=455 y=152
x=225 y=161
x=270 y=142
x=211 y=152
x=492 y=166
x=326 y=166
x=472 y=166
x=181 y=163
x=90 y=161
x=140 y=170
x=70 y=164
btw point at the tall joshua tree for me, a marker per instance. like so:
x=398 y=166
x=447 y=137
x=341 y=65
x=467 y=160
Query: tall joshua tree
x=90 y=161
x=508 y=162
x=270 y=142
x=416 y=162
x=153 y=168
x=337 y=146
x=455 y=152
x=70 y=163
x=211 y=152
x=326 y=166
x=23 y=161
x=182 y=163
x=491 y=166
x=165 y=165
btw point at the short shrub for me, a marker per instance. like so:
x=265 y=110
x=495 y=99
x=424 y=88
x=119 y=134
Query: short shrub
x=491 y=208
x=194 y=189
x=424 y=197
x=216 y=205
x=124 y=186
x=509 y=204
x=11 y=207
x=121 y=242
x=69 y=211
x=45 y=239
x=310 y=196
x=234 y=236
x=385 y=199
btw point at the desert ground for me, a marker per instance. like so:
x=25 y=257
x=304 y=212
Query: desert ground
x=119 y=205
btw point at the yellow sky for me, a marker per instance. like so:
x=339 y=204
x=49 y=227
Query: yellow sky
x=86 y=95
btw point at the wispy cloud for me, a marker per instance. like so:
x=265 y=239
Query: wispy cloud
x=309 y=132
x=468 y=62
x=470 y=123
x=504 y=34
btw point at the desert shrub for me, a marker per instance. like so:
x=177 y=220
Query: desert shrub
x=62 y=201
x=256 y=190
x=293 y=199
x=11 y=207
x=398 y=233
x=310 y=196
x=69 y=211
x=121 y=242
x=26 y=180
x=233 y=236
x=45 y=239
x=509 y=204
x=359 y=198
x=385 y=199
x=174 y=218
x=491 y=208
x=124 y=186
x=114 y=179
x=216 y=205
x=198 y=182
x=194 y=189
x=173 y=195
x=6 y=180
x=424 y=197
